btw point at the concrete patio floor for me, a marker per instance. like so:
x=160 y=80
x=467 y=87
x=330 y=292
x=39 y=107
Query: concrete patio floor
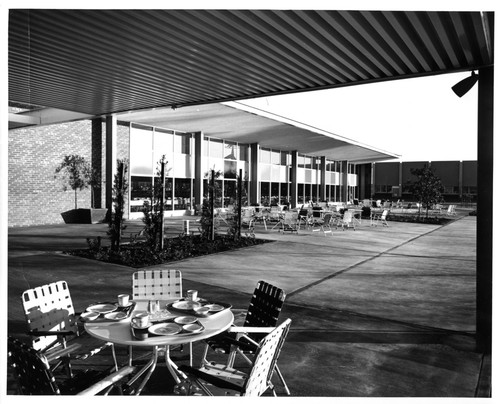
x=376 y=312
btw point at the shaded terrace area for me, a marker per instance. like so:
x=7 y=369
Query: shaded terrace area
x=377 y=312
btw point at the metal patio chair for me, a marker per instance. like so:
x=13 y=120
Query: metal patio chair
x=218 y=379
x=290 y=222
x=380 y=218
x=347 y=220
x=52 y=325
x=324 y=224
x=263 y=312
x=157 y=284
x=34 y=376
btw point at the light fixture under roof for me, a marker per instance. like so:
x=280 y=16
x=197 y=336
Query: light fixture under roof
x=463 y=86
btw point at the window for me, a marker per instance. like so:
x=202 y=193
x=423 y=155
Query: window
x=182 y=143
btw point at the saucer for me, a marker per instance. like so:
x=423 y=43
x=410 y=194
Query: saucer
x=130 y=303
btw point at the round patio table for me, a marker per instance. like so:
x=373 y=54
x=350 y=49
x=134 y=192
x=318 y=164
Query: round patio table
x=120 y=332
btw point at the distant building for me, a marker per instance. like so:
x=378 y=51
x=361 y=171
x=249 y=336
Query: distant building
x=459 y=178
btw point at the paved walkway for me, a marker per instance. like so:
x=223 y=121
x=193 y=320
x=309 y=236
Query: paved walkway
x=377 y=312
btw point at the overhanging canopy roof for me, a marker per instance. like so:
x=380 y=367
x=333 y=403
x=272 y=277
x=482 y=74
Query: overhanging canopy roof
x=105 y=61
x=242 y=123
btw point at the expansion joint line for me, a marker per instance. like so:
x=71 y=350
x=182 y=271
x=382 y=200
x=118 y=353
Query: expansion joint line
x=342 y=271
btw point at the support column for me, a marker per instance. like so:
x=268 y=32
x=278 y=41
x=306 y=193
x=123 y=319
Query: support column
x=111 y=135
x=199 y=161
x=373 y=177
x=97 y=160
x=461 y=179
x=254 y=174
x=344 y=189
x=484 y=238
x=293 y=182
x=322 y=185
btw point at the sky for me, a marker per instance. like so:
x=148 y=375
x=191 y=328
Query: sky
x=420 y=119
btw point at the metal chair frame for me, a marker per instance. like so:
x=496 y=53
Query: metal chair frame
x=34 y=375
x=263 y=312
x=52 y=325
x=254 y=383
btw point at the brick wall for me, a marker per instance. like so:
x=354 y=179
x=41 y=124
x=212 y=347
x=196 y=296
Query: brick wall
x=35 y=197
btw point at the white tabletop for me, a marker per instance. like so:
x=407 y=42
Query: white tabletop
x=120 y=332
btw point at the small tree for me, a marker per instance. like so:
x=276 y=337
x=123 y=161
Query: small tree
x=427 y=188
x=120 y=187
x=76 y=173
x=153 y=211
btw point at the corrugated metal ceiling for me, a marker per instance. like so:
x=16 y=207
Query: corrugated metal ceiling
x=104 y=61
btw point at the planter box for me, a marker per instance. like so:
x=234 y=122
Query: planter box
x=84 y=216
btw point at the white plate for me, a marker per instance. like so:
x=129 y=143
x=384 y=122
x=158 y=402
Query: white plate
x=89 y=316
x=116 y=316
x=193 y=328
x=215 y=307
x=102 y=308
x=185 y=320
x=165 y=329
x=185 y=305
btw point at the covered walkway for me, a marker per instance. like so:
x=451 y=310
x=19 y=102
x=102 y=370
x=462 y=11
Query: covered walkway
x=377 y=312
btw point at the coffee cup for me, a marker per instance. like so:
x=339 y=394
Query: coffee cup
x=192 y=295
x=140 y=320
x=123 y=300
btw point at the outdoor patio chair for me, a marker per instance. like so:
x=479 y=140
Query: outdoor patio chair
x=218 y=379
x=304 y=217
x=451 y=210
x=380 y=218
x=33 y=375
x=52 y=325
x=347 y=220
x=248 y=220
x=263 y=312
x=157 y=284
x=324 y=224
x=290 y=222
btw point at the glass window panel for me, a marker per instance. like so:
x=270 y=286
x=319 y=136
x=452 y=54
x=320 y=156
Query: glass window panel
x=206 y=145
x=275 y=173
x=265 y=156
x=275 y=157
x=308 y=162
x=300 y=161
x=216 y=148
x=243 y=148
x=230 y=151
x=182 y=193
x=265 y=173
x=264 y=193
x=308 y=176
x=284 y=193
x=284 y=160
x=229 y=192
x=140 y=187
x=275 y=193
x=230 y=169
x=182 y=143
x=141 y=151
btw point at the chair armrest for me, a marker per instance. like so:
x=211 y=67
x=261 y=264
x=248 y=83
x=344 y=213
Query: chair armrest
x=251 y=330
x=214 y=380
x=51 y=333
x=58 y=353
x=107 y=381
